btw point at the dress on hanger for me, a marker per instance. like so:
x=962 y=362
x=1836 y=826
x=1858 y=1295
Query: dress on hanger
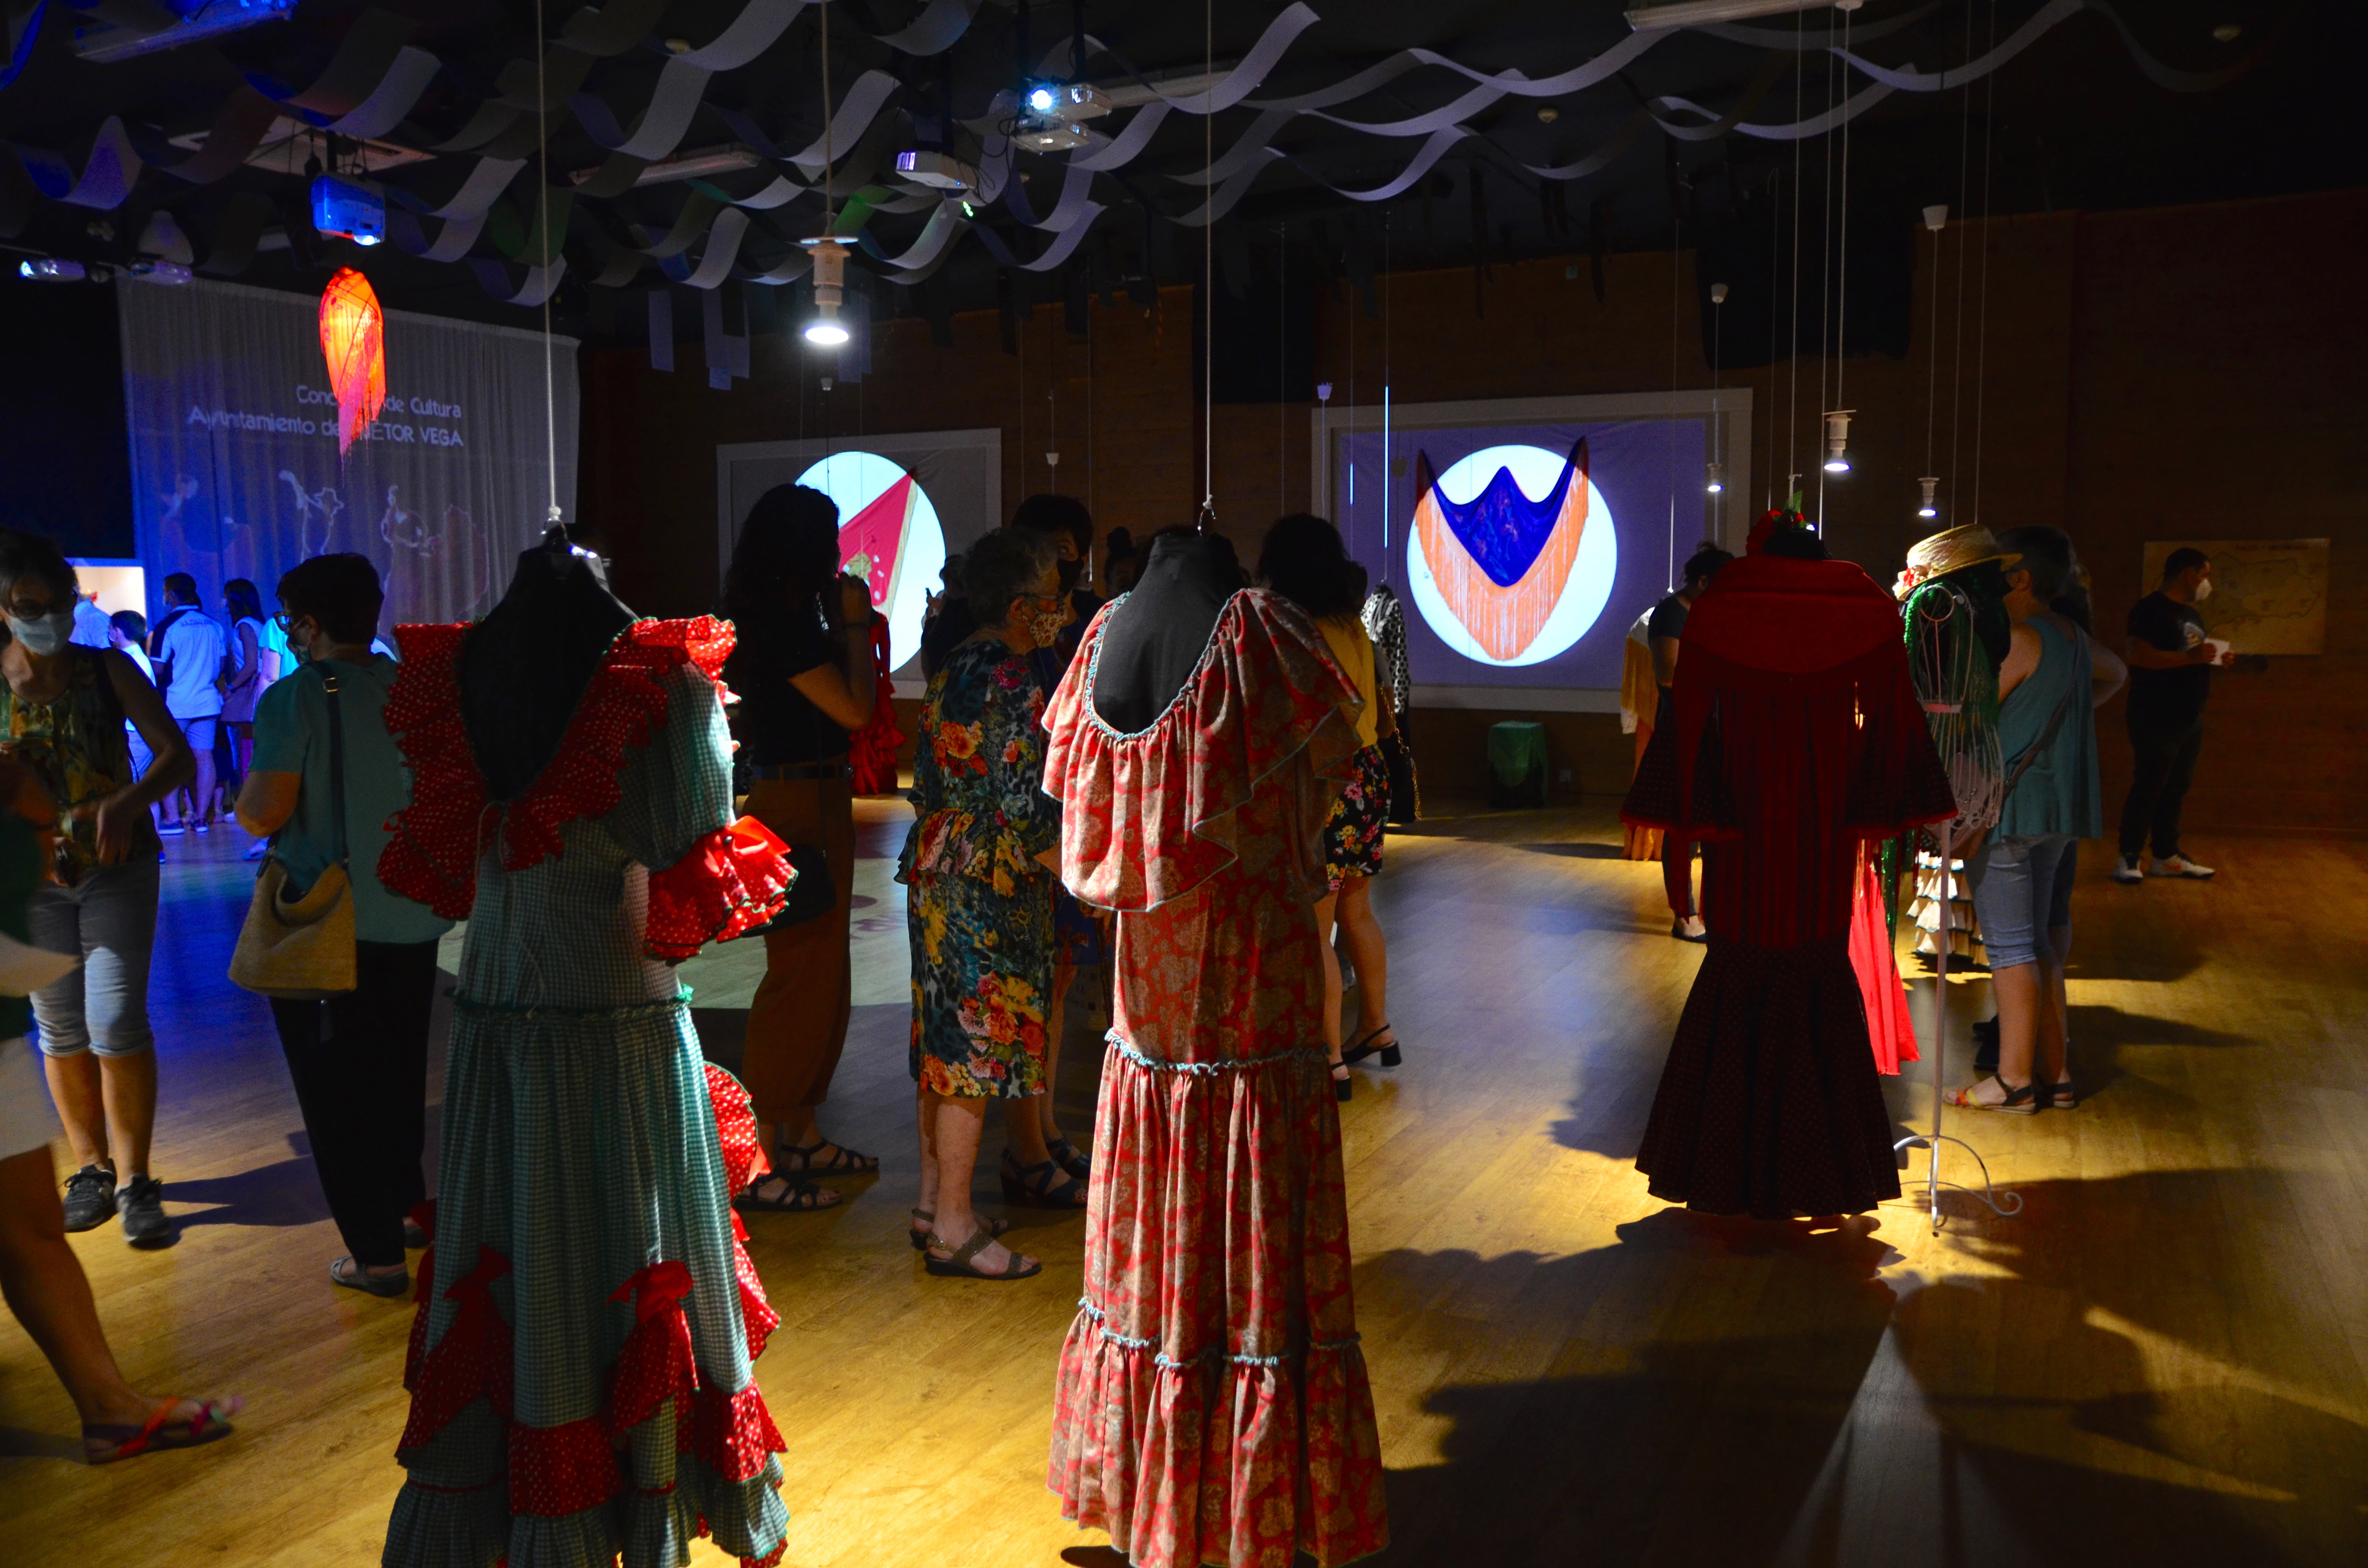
x=1797 y=739
x=580 y=1362
x=1212 y=1404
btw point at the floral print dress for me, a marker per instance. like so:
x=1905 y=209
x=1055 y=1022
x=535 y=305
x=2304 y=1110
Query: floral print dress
x=981 y=908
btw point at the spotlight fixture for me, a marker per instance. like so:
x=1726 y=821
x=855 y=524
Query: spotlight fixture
x=829 y=292
x=53 y=269
x=1935 y=216
x=157 y=269
x=1931 y=482
x=1717 y=485
x=1837 y=440
x=939 y=171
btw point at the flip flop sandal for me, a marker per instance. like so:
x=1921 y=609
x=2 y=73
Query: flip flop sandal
x=921 y=1238
x=2018 y=1102
x=1042 y=1184
x=963 y=1263
x=795 y=1198
x=160 y=1431
x=357 y=1278
x=843 y=1160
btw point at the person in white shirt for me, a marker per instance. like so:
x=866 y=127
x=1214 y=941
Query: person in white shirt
x=92 y=628
x=188 y=648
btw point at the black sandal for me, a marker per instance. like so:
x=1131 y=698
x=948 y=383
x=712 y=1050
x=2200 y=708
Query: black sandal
x=795 y=1198
x=1366 y=1045
x=1044 y=1184
x=927 y=1231
x=843 y=1160
x=962 y=1263
x=1344 y=1087
x=1066 y=1155
x=2017 y=1102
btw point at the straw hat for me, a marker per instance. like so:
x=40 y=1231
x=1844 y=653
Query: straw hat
x=1950 y=550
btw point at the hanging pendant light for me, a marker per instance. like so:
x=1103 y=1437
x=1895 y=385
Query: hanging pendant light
x=353 y=342
x=1931 y=482
x=826 y=331
x=1837 y=440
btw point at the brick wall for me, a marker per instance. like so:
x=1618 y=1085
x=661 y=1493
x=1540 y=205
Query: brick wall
x=2191 y=373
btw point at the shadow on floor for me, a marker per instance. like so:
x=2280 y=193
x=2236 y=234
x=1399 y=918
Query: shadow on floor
x=285 y=1193
x=1580 y=851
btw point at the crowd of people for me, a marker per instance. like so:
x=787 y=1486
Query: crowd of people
x=1088 y=777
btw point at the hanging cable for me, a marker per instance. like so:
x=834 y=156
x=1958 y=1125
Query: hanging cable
x=1208 y=276
x=1775 y=282
x=1982 y=329
x=1825 y=280
x=542 y=153
x=1671 y=461
x=1957 y=360
x=1282 y=332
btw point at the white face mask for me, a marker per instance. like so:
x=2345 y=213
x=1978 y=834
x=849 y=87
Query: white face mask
x=2203 y=590
x=43 y=634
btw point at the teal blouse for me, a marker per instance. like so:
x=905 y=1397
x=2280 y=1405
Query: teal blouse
x=2058 y=792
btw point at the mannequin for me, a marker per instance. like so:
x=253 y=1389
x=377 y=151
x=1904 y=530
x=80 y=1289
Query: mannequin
x=1157 y=635
x=523 y=667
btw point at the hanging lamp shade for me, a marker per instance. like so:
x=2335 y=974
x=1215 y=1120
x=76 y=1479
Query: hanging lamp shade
x=353 y=341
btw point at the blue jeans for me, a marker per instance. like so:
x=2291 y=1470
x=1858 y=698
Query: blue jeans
x=110 y=920
x=2025 y=888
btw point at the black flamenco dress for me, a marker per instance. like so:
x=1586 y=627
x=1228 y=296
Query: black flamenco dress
x=1796 y=738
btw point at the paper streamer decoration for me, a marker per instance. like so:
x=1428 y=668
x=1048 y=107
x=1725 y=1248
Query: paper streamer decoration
x=353 y=342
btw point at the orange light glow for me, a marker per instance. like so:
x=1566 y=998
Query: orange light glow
x=353 y=341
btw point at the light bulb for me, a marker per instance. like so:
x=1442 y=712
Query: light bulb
x=826 y=332
x=1716 y=485
x=1040 y=100
x=1837 y=440
x=1930 y=483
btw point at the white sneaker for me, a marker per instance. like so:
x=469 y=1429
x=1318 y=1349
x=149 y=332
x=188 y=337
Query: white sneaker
x=2129 y=869
x=2180 y=865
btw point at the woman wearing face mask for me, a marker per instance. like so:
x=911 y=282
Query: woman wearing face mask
x=979 y=862
x=62 y=709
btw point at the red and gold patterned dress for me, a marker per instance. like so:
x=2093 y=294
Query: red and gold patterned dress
x=1212 y=1405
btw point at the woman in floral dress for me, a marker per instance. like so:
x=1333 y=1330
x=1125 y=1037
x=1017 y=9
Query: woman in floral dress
x=979 y=862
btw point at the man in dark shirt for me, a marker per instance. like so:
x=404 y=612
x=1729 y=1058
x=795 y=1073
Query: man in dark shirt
x=1663 y=629
x=2171 y=677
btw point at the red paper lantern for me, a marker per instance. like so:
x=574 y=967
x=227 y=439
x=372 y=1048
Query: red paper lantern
x=353 y=341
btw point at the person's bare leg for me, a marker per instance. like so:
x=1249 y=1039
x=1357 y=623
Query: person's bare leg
x=128 y=1086
x=2051 y=1057
x=2018 y=987
x=1023 y=1131
x=1056 y=1024
x=202 y=794
x=47 y=1289
x=959 y=1120
x=1327 y=910
x=76 y=1087
x=1367 y=951
x=928 y=1202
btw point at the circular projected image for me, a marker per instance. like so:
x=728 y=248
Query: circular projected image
x=888 y=534
x=1511 y=559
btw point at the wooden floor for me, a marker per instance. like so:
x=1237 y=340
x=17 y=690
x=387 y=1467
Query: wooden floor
x=2160 y=1361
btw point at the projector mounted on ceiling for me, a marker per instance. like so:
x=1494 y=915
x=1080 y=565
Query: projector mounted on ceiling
x=1052 y=115
x=1697 y=13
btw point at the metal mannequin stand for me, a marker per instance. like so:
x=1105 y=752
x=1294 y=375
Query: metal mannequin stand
x=2006 y=1205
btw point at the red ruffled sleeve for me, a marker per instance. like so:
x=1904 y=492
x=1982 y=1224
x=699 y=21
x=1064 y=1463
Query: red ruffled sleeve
x=733 y=880
x=1145 y=818
x=431 y=853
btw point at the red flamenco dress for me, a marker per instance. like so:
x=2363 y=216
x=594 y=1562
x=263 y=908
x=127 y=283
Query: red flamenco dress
x=1212 y=1404
x=579 y=1369
x=871 y=750
x=1797 y=739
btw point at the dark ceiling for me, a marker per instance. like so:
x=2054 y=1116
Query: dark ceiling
x=2076 y=120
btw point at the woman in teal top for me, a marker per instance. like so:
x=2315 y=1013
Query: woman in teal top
x=2047 y=734
x=361 y=1081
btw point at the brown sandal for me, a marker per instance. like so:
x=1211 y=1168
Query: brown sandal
x=963 y=1262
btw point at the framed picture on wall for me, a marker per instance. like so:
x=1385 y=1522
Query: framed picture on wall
x=2269 y=595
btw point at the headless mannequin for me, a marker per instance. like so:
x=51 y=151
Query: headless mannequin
x=1155 y=638
x=523 y=668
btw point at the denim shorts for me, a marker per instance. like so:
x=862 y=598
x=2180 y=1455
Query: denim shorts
x=201 y=733
x=109 y=920
x=2025 y=888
